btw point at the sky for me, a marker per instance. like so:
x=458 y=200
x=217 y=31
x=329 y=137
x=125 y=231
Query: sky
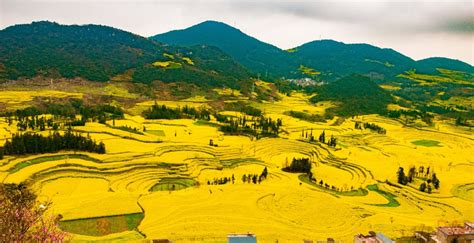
x=416 y=28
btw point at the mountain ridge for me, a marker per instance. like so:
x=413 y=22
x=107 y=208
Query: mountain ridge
x=285 y=63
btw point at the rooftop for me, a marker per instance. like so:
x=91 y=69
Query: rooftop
x=455 y=230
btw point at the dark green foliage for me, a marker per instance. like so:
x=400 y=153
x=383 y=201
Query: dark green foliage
x=422 y=187
x=242 y=107
x=358 y=94
x=332 y=141
x=68 y=110
x=92 y=52
x=322 y=137
x=401 y=177
x=435 y=181
x=264 y=173
x=259 y=57
x=164 y=112
x=305 y=116
x=334 y=59
x=299 y=166
x=429 y=178
x=30 y=116
x=211 y=68
x=337 y=59
x=257 y=127
x=429 y=65
x=33 y=143
x=371 y=126
x=98 y=53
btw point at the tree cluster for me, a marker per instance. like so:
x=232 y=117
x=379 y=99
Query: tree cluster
x=31 y=118
x=305 y=116
x=164 y=112
x=256 y=127
x=371 y=126
x=242 y=107
x=302 y=165
x=430 y=180
x=332 y=142
x=411 y=114
x=222 y=181
x=33 y=143
x=255 y=178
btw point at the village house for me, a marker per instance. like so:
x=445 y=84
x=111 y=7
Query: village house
x=372 y=237
x=455 y=234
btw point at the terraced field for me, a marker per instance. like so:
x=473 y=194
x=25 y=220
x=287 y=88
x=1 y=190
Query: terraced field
x=155 y=184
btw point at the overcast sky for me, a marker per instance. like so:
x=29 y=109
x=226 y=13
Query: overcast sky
x=417 y=28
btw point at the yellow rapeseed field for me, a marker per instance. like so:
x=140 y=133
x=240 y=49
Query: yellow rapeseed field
x=283 y=207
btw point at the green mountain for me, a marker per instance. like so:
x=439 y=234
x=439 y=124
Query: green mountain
x=324 y=59
x=429 y=65
x=336 y=59
x=98 y=53
x=356 y=95
x=256 y=55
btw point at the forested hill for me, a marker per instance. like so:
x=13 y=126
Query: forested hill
x=324 y=59
x=260 y=57
x=429 y=65
x=98 y=53
x=336 y=59
x=357 y=94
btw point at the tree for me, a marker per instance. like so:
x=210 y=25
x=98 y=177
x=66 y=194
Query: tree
x=264 y=173
x=435 y=181
x=411 y=174
x=24 y=219
x=322 y=137
x=244 y=178
x=429 y=188
x=401 y=178
x=423 y=187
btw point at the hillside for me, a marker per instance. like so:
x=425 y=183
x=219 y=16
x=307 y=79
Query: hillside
x=357 y=95
x=430 y=65
x=258 y=56
x=324 y=59
x=336 y=59
x=99 y=53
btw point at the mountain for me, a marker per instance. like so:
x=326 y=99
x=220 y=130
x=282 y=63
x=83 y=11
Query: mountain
x=429 y=65
x=323 y=59
x=356 y=95
x=98 y=53
x=336 y=59
x=257 y=56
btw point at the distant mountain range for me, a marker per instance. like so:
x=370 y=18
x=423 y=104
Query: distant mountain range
x=210 y=54
x=329 y=58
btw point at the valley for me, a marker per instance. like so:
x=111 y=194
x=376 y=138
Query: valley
x=157 y=180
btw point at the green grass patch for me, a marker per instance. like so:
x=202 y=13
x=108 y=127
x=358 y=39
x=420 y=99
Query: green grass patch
x=156 y=132
x=353 y=193
x=307 y=70
x=127 y=129
x=38 y=160
x=392 y=202
x=427 y=143
x=102 y=225
x=173 y=184
x=205 y=123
